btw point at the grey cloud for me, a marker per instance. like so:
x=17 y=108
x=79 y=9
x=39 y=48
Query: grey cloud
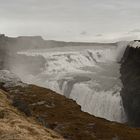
x=135 y=31
x=52 y=17
x=98 y=35
x=83 y=33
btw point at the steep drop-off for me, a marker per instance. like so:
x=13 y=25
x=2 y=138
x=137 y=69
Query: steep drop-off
x=130 y=75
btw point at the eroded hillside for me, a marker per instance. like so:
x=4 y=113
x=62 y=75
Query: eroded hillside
x=60 y=114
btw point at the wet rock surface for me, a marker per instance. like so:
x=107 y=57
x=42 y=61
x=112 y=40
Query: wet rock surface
x=130 y=75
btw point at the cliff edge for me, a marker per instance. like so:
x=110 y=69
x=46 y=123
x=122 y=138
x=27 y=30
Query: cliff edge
x=130 y=76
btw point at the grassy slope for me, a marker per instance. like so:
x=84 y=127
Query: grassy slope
x=65 y=116
x=16 y=126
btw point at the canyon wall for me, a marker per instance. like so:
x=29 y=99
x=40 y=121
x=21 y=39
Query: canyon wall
x=130 y=76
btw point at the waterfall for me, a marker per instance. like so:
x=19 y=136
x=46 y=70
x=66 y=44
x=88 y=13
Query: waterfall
x=105 y=104
x=88 y=75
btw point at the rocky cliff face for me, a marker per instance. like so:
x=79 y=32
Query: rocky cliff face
x=130 y=75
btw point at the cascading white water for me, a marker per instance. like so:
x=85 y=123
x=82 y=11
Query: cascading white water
x=106 y=104
x=89 y=75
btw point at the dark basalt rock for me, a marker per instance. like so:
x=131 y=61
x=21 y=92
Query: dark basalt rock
x=22 y=106
x=130 y=75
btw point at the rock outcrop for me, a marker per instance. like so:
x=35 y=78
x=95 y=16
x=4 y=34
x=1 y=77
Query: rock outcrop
x=130 y=75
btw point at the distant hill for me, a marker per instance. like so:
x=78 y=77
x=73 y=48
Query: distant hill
x=37 y=42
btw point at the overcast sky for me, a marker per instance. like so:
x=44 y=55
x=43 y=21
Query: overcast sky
x=72 y=20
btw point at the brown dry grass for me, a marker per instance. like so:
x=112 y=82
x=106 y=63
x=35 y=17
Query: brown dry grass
x=66 y=117
x=16 y=126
